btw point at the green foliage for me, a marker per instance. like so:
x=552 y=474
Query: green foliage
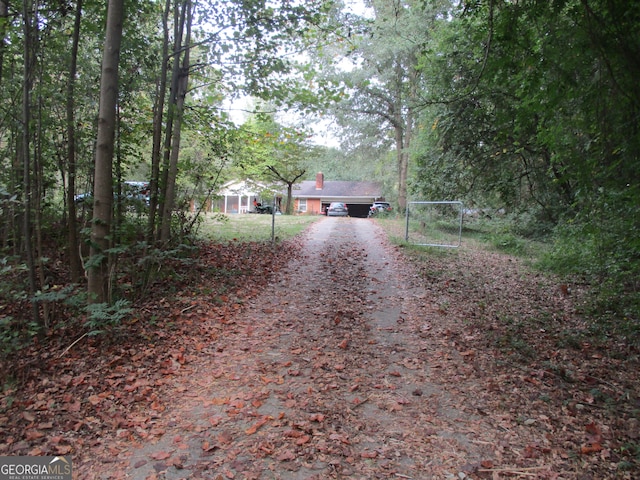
x=514 y=121
x=602 y=246
x=12 y=283
x=102 y=317
x=54 y=294
x=630 y=451
x=14 y=335
x=143 y=266
x=251 y=38
x=508 y=243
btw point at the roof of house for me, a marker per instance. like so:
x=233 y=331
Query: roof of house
x=243 y=187
x=337 y=188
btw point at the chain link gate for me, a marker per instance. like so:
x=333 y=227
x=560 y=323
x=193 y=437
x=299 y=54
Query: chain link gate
x=434 y=224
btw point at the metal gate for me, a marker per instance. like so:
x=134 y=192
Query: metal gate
x=434 y=224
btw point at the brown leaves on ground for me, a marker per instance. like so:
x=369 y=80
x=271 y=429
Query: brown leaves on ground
x=468 y=365
x=59 y=402
x=524 y=339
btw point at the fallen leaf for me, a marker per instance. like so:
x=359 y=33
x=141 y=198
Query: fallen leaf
x=302 y=440
x=139 y=463
x=287 y=455
x=340 y=437
x=29 y=416
x=162 y=455
x=256 y=426
x=590 y=448
x=317 y=417
x=531 y=451
x=207 y=446
x=592 y=428
x=225 y=437
x=175 y=462
x=33 y=434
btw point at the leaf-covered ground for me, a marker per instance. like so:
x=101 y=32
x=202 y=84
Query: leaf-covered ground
x=339 y=356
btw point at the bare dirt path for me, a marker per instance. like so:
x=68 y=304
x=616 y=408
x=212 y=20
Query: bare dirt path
x=326 y=375
x=359 y=362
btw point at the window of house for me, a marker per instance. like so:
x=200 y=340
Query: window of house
x=302 y=205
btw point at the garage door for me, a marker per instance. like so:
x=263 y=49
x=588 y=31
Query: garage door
x=358 y=209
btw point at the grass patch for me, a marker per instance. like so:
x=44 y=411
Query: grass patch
x=489 y=233
x=253 y=228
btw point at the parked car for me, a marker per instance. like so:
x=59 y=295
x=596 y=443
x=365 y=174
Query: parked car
x=379 y=207
x=133 y=193
x=137 y=192
x=337 y=209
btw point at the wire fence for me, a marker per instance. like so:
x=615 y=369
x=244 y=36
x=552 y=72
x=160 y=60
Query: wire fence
x=434 y=224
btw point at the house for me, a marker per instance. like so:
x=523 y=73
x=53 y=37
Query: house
x=238 y=196
x=314 y=196
x=310 y=196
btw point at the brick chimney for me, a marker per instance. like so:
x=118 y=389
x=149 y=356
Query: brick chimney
x=319 y=181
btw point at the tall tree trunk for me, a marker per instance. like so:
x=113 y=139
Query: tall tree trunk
x=38 y=193
x=158 y=114
x=75 y=264
x=400 y=159
x=181 y=82
x=4 y=23
x=27 y=226
x=98 y=281
x=179 y=17
x=403 y=166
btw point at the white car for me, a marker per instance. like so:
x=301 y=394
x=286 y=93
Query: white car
x=379 y=207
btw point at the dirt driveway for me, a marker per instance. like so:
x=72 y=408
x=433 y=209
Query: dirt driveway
x=361 y=361
x=326 y=375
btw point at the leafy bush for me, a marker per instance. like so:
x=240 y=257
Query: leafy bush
x=602 y=247
x=102 y=316
x=15 y=335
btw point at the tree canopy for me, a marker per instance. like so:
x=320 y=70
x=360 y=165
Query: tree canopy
x=528 y=107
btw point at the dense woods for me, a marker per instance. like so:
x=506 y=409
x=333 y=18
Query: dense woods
x=528 y=108
x=94 y=97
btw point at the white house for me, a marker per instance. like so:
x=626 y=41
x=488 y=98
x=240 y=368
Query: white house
x=238 y=196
